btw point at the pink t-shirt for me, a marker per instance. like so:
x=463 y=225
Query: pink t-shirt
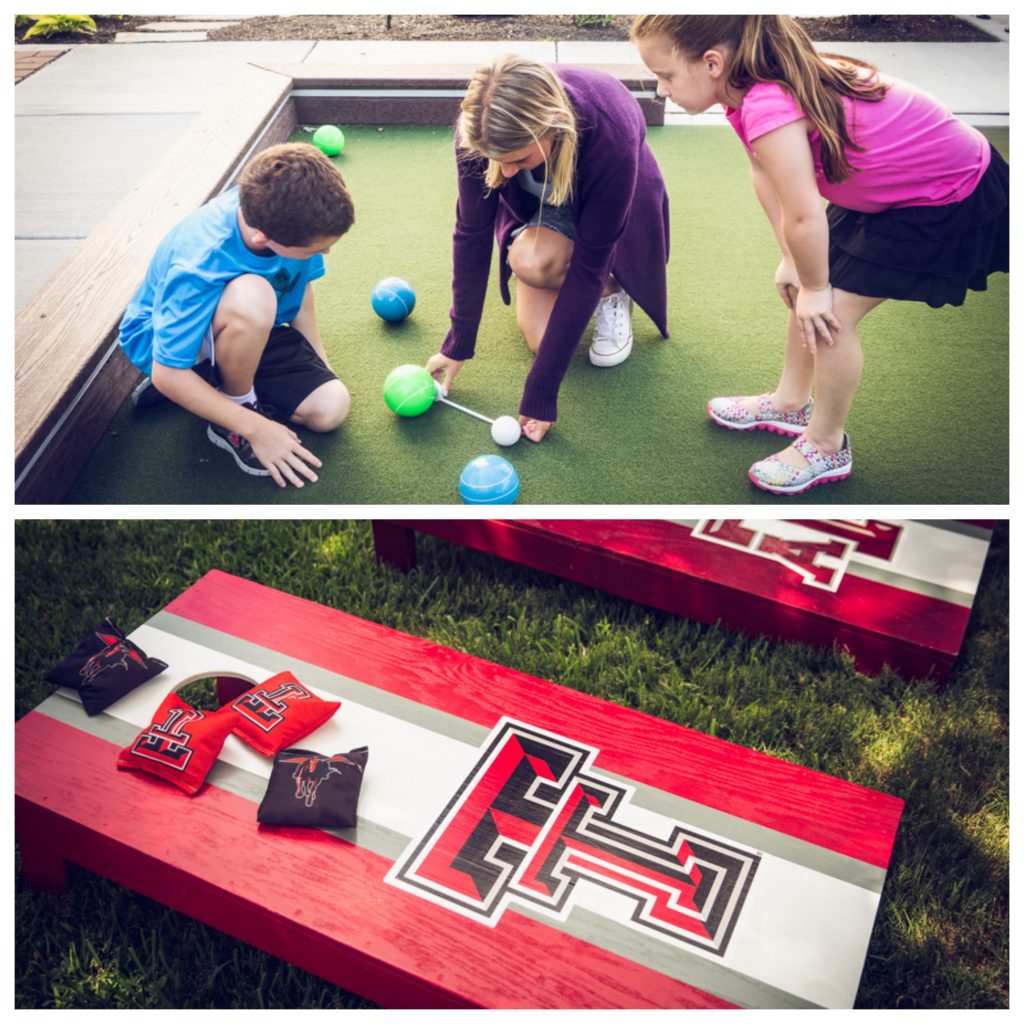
x=915 y=152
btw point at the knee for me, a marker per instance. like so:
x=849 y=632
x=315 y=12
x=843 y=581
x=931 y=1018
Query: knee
x=248 y=302
x=850 y=308
x=535 y=265
x=325 y=409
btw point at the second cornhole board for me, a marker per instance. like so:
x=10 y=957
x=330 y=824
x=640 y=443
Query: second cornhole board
x=896 y=591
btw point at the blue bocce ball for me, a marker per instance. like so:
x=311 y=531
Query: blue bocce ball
x=393 y=299
x=489 y=480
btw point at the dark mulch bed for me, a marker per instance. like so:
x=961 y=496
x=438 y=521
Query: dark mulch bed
x=860 y=28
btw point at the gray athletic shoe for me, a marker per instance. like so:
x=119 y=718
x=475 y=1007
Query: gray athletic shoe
x=238 y=446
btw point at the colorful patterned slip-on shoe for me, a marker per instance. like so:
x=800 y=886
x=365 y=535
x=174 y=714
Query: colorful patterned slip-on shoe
x=772 y=474
x=729 y=413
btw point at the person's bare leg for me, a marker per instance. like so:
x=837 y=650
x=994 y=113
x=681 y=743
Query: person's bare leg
x=241 y=327
x=539 y=258
x=794 y=388
x=324 y=408
x=837 y=370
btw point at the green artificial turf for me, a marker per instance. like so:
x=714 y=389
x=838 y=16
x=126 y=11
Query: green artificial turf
x=636 y=434
x=941 y=937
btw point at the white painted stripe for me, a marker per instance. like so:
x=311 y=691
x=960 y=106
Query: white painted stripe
x=933 y=555
x=800 y=930
x=804 y=932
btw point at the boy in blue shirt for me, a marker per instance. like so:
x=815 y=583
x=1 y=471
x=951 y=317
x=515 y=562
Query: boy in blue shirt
x=224 y=323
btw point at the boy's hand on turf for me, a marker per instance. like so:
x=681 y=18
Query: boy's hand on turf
x=443 y=370
x=279 y=449
x=534 y=429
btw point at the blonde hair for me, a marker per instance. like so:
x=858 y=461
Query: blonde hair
x=511 y=103
x=774 y=48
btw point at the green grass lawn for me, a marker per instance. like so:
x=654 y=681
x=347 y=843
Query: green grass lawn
x=636 y=434
x=941 y=937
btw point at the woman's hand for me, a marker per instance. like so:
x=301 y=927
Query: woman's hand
x=814 y=314
x=534 y=429
x=443 y=370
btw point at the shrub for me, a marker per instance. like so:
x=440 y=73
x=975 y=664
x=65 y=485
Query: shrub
x=47 y=25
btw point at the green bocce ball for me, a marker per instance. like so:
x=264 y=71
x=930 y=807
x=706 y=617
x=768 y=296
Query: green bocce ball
x=329 y=139
x=409 y=390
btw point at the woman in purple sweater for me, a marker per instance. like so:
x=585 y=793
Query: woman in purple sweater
x=553 y=163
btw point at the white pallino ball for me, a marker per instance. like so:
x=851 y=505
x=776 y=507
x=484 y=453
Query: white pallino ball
x=505 y=430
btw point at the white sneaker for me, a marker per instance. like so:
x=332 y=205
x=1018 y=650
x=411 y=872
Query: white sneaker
x=613 y=331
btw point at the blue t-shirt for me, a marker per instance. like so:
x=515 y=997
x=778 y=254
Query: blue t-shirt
x=167 y=318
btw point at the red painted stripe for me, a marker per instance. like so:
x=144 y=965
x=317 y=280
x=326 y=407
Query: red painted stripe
x=812 y=806
x=318 y=901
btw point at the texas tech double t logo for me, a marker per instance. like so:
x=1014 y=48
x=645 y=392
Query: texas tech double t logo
x=266 y=708
x=169 y=742
x=533 y=823
x=817 y=551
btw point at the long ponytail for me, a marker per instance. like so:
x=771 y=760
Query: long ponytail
x=774 y=48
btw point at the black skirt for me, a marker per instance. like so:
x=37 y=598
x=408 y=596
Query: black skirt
x=930 y=254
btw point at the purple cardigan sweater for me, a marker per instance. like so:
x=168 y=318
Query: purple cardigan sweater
x=619 y=208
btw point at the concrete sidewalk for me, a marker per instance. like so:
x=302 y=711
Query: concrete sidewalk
x=90 y=125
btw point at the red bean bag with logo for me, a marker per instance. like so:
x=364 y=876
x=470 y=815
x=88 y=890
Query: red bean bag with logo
x=279 y=712
x=181 y=744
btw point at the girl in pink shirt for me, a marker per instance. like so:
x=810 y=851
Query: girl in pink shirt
x=918 y=209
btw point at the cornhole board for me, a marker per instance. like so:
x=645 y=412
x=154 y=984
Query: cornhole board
x=519 y=844
x=891 y=591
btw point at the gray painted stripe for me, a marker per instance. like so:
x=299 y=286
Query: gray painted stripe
x=879 y=574
x=972 y=530
x=765 y=840
x=682 y=965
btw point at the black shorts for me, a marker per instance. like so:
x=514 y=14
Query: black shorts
x=290 y=370
x=931 y=254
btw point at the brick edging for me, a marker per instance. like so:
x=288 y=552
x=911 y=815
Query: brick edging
x=28 y=62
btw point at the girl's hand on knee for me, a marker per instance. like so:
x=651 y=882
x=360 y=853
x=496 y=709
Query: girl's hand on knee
x=814 y=313
x=787 y=282
x=534 y=429
x=443 y=370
